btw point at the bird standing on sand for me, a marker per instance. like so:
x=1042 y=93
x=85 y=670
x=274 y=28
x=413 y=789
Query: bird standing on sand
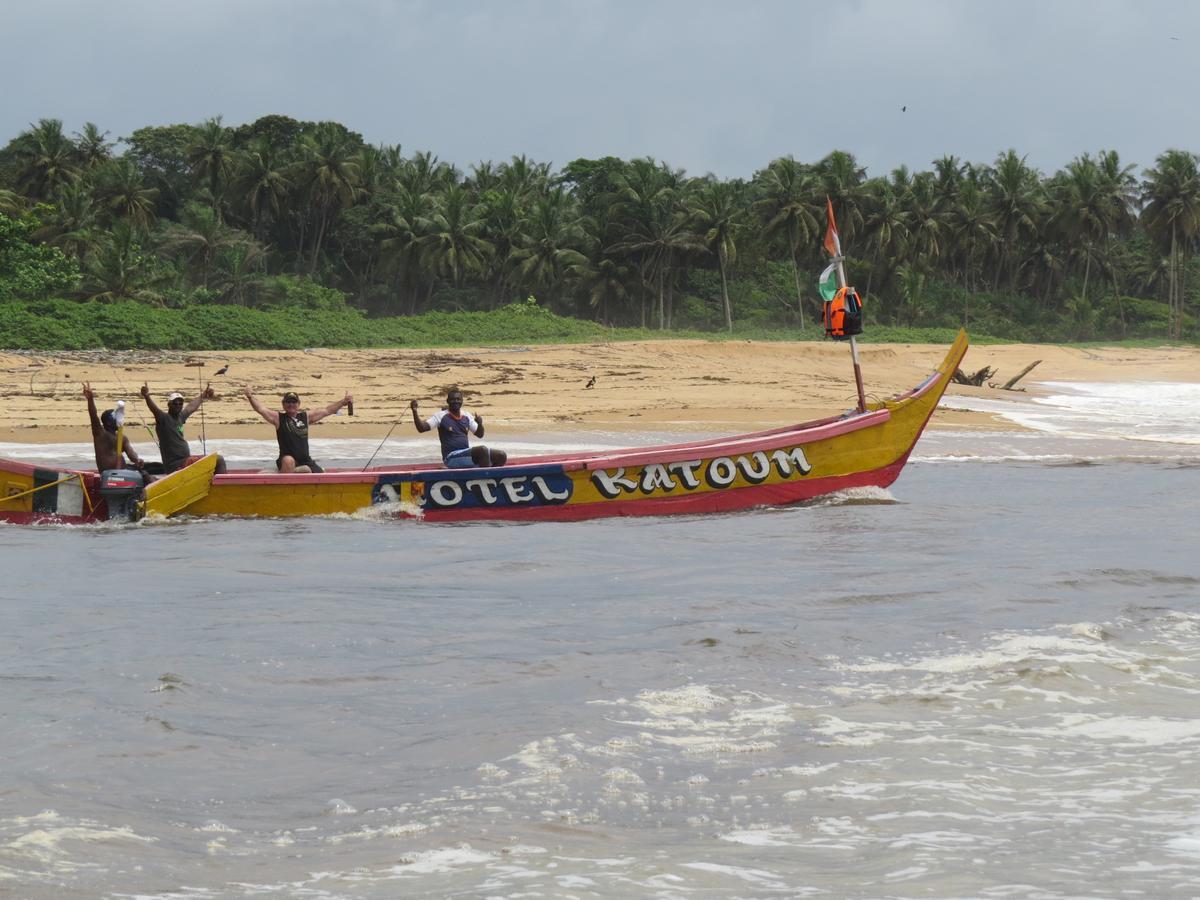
x=222 y=370
x=591 y=382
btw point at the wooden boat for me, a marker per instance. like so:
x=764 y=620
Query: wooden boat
x=863 y=447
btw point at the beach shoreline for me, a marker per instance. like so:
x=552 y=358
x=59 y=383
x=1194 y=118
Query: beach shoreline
x=687 y=386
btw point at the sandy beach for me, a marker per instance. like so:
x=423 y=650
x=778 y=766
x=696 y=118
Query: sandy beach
x=696 y=386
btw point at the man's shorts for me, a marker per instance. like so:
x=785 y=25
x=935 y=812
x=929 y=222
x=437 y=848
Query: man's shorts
x=310 y=462
x=459 y=459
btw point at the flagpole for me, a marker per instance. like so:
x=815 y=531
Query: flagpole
x=858 y=379
x=841 y=282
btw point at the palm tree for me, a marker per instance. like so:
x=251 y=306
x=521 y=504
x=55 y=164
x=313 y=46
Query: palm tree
x=11 y=204
x=93 y=146
x=261 y=182
x=408 y=218
x=652 y=225
x=719 y=211
x=239 y=272
x=841 y=180
x=423 y=174
x=886 y=223
x=329 y=174
x=1092 y=201
x=372 y=170
x=605 y=282
x=121 y=193
x=788 y=207
x=46 y=160
x=484 y=177
x=950 y=174
x=1171 y=215
x=454 y=244
x=925 y=220
x=72 y=227
x=549 y=248
x=972 y=231
x=524 y=177
x=1120 y=192
x=1015 y=204
x=505 y=219
x=212 y=157
x=200 y=237
x=119 y=269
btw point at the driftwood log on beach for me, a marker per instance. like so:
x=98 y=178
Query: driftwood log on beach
x=1008 y=385
x=974 y=380
x=978 y=379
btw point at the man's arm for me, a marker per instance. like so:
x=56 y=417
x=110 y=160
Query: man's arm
x=154 y=409
x=269 y=414
x=478 y=424
x=421 y=424
x=91 y=399
x=316 y=415
x=193 y=405
x=127 y=449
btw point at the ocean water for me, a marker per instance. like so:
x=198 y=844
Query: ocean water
x=982 y=682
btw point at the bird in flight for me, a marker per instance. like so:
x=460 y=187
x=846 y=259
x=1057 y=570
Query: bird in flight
x=591 y=382
x=222 y=370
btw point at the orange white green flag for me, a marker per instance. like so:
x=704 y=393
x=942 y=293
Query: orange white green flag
x=827 y=283
x=832 y=243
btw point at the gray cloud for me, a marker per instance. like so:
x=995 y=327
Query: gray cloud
x=703 y=85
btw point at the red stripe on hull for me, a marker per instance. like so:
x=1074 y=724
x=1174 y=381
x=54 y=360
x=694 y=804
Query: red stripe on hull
x=729 y=500
x=41 y=518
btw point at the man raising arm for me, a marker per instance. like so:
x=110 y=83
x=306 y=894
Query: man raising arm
x=169 y=428
x=104 y=438
x=291 y=429
x=454 y=424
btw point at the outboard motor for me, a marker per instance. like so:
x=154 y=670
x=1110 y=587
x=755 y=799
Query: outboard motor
x=121 y=490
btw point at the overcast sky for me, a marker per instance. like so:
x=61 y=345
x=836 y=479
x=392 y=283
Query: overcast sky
x=721 y=87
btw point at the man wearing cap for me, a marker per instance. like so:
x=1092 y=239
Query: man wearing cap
x=169 y=428
x=291 y=429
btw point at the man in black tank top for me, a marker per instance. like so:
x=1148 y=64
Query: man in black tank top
x=291 y=429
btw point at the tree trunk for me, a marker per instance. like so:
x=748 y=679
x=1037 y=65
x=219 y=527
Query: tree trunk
x=1171 y=283
x=799 y=298
x=642 y=296
x=725 y=292
x=1116 y=287
x=1087 y=271
x=320 y=237
x=670 y=303
x=1181 y=290
x=661 y=309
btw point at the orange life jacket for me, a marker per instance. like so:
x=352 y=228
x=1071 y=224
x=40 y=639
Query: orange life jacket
x=843 y=314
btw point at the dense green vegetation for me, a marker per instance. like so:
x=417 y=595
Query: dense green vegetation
x=288 y=233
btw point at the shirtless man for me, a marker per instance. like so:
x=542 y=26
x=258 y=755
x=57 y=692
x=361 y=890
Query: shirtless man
x=104 y=438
